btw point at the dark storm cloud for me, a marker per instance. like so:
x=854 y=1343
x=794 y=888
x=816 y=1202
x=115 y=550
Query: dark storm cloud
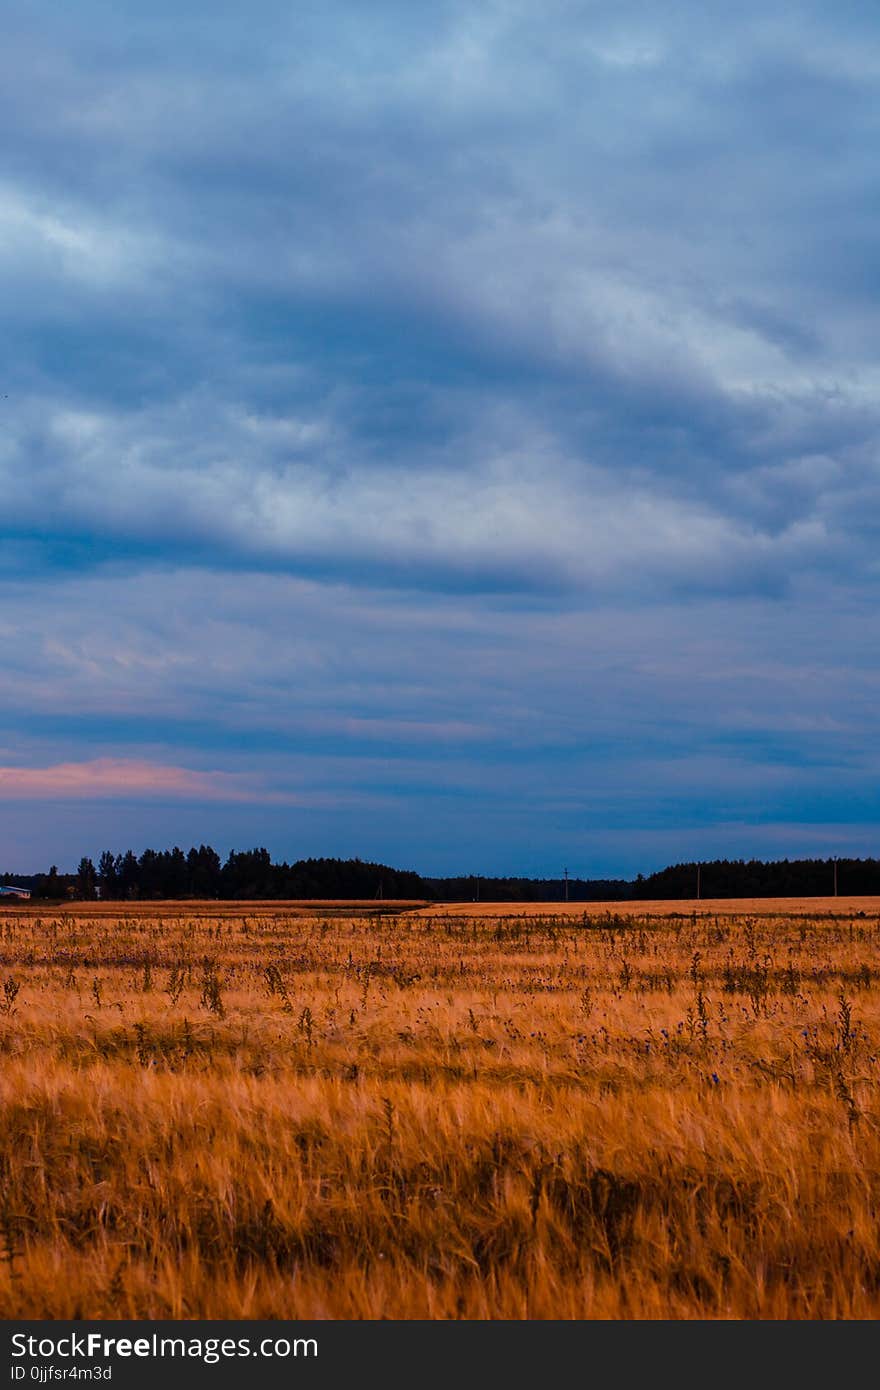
x=513 y=326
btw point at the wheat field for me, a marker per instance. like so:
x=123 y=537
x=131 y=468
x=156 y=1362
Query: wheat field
x=243 y=1111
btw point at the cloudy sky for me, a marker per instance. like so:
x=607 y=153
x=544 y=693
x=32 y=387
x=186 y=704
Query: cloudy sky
x=445 y=434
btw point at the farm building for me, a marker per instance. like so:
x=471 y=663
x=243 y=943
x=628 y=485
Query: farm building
x=11 y=891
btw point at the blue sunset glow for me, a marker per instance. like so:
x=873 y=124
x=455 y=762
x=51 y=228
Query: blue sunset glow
x=444 y=434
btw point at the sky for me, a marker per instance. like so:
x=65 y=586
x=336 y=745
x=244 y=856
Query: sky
x=442 y=434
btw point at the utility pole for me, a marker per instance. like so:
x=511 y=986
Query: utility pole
x=835 y=876
x=699 y=871
x=565 y=878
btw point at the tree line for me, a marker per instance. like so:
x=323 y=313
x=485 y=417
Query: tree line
x=252 y=874
x=757 y=878
x=200 y=873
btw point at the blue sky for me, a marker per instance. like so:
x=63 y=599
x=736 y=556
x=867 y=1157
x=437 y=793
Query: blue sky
x=442 y=434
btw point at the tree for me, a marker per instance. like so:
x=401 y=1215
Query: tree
x=203 y=867
x=127 y=875
x=86 y=881
x=107 y=880
x=249 y=874
x=176 y=879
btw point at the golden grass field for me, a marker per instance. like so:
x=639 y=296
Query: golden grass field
x=241 y=1111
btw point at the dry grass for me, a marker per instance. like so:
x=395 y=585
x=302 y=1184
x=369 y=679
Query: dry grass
x=239 y=1112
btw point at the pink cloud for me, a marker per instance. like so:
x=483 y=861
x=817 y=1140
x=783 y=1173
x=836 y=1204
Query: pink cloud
x=121 y=777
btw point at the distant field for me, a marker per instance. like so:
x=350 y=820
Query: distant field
x=829 y=907
x=471 y=1111
x=703 y=907
x=206 y=907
